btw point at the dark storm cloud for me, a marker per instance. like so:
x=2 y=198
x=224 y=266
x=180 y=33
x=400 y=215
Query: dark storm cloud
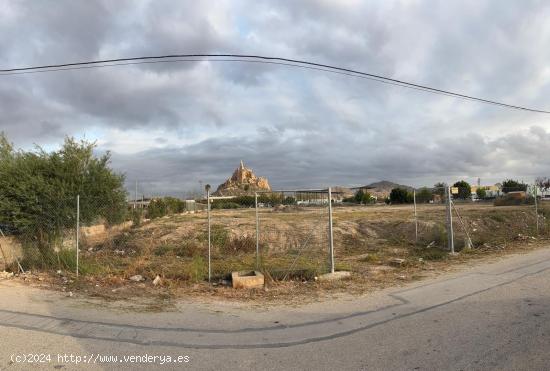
x=171 y=125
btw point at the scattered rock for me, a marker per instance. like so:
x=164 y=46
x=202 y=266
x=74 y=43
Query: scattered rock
x=137 y=278
x=397 y=262
x=5 y=275
x=157 y=281
x=522 y=237
x=334 y=276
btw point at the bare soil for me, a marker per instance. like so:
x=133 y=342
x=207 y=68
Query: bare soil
x=294 y=245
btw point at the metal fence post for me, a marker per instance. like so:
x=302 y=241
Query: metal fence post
x=257 y=231
x=331 y=237
x=450 y=236
x=536 y=207
x=209 y=239
x=415 y=219
x=77 y=230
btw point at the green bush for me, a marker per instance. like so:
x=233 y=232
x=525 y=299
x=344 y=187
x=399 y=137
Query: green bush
x=400 y=196
x=157 y=208
x=361 y=197
x=424 y=195
x=137 y=215
x=38 y=192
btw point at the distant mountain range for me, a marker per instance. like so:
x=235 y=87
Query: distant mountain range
x=382 y=188
x=386 y=185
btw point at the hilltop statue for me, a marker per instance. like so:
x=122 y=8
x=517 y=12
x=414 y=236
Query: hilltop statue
x=242 y=182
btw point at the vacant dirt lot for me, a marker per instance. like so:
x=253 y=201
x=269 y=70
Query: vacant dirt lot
x=294 y=249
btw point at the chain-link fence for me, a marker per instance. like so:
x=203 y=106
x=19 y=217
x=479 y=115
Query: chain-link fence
x=293 y=237
x=283 y=234
x=49 y=233
x=286 y=235
x=41 y=235
x=478 y=219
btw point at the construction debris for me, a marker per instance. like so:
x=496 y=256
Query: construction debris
x=137 y=278
x=335 y=276
x=247 y=279
x=397 y=262
x=157 y=281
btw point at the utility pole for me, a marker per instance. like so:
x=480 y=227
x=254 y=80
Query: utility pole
x=331 y=238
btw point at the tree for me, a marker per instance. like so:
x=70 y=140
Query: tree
x=464 y=189
x=424 y=195
x=289 y=200
x=543 y=183
x=157 y=208
x=481 y=192
x=38 y=191
x=400 y=196
x=439 y=188
x=358 y=197
x=362 y=197
x=511 y=185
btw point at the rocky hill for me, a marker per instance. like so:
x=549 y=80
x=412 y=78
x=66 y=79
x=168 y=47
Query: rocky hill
x=242 y=182
x=383 y=188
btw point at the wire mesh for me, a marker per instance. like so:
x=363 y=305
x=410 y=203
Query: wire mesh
x=168 y=236
x=294 y=235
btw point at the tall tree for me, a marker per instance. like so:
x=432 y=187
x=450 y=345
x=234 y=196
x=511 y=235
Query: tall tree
x=511 y=185
x=464 y=189
x=400 y=196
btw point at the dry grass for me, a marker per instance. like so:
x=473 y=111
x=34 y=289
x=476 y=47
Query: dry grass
x=294 y=247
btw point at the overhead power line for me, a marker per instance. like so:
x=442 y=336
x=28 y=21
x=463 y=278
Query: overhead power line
x=172 y=58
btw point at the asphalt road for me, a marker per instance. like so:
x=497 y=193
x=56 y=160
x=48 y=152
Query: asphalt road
x=491 y=316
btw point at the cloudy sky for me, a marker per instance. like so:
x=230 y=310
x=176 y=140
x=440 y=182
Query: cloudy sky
x=172 y=125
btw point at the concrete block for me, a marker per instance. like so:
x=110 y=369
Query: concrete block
x=247 y=280
x=334 y=276
x=397 y=262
